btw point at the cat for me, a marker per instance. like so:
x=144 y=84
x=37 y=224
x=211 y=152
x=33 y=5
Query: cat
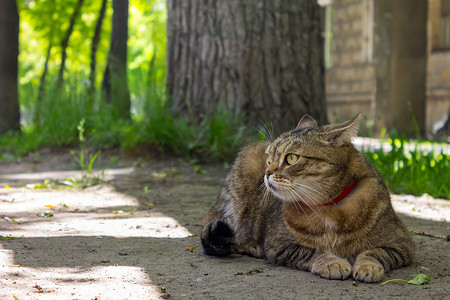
x=309 y=200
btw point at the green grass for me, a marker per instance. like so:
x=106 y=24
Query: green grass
x=413 y=171
x=153 y=126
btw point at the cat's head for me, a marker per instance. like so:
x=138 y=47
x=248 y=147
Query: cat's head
x=309 y=164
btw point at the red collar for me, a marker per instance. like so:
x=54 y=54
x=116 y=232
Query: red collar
x=347 y=190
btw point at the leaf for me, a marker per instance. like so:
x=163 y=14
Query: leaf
x=420 y=279
x=14 y=220
x=46 y=214
x=7 y=238
x=191 y=248
x=37 y=186
x=147 y=190
x=50 y=206
x=124 y=212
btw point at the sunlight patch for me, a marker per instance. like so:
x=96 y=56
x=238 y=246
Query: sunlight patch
x=62 y=175
x=156 y=225
x=6 y=259
x=424 y=207
x=21 y=200
x=112 y=282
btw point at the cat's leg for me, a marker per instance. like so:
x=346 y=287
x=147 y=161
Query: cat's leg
x=371 y=265
x=217 y=237
x=288 y=252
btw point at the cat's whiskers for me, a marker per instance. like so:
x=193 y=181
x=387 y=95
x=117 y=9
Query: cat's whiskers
x=308 y=196
x=266 y=131
x=325 y=196
x=266 y=193
x=294 y=202
x=312 y=194
x=269 y=131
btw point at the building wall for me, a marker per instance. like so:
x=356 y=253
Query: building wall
x=350 y=81
x=438 y=87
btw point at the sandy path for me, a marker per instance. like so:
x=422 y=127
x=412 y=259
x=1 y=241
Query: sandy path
x=117 y=240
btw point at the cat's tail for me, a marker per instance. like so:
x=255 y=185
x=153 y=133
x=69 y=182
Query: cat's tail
x=217 y=238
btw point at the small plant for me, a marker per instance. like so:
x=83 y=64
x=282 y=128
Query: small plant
x=88 y=178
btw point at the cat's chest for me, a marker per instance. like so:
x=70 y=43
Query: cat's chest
x=322 y=234
x=327 y=236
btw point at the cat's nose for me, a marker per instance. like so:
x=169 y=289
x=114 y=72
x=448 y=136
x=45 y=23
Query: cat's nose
x=268 y=173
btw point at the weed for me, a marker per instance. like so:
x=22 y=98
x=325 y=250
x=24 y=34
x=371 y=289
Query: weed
x=88 y=178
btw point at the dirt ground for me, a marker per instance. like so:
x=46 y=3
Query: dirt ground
x=136 y=237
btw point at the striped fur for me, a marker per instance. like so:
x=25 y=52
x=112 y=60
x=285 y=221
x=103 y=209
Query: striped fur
x=270 y=208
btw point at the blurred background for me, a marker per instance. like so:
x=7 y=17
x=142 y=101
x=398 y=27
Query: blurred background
x=199 y=79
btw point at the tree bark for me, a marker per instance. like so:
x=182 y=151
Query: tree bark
x=95 y=41
x=259 y=58
x=114 y=82
x=65 y=42
x=9 y=53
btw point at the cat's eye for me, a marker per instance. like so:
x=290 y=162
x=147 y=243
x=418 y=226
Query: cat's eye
x=291 y=159
x=269 y=160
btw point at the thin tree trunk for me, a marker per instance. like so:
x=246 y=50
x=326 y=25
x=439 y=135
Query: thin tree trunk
x=114 y=82
x=260 y=58
x=42 y=81
x=9 y=53
x=65 y=42
x=95 y=41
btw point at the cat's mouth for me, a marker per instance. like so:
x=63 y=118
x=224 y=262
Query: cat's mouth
x=270 y=185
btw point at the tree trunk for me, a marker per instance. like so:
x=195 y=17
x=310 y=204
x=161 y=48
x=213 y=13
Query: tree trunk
x=114 y=82
x=42 y=81
x=95 y=41
x=259 y=58
x=9 y=52
x=65 y=42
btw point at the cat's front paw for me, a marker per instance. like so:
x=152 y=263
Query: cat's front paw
x=368 y=270
x=332 y=268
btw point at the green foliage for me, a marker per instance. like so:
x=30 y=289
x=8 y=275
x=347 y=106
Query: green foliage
x=214 y=139
x=71 y=118
x=411 y=170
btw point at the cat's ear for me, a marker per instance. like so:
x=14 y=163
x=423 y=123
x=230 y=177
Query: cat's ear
x=342 y=134
x=306 y=122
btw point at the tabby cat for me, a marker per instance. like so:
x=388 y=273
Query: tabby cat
x=309 y=200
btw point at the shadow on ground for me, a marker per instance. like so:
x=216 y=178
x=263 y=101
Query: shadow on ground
x=149 y=249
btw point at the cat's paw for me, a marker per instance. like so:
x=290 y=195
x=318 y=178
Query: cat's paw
x=368 y=270
x=332 y=268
